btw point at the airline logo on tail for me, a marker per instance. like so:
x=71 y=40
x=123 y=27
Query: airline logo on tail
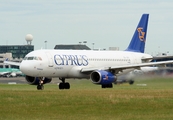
x=137 y=43
x=141 y=34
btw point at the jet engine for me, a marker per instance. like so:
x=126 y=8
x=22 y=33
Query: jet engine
x=102 y=77
x=35 y=80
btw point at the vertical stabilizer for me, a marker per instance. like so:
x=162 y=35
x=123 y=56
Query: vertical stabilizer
x=138 y=40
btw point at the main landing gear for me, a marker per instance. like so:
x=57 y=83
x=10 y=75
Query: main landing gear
x=63 y=84
x=107 y=85
x=40 y=85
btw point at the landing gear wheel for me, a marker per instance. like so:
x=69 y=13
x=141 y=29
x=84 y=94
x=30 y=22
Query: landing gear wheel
x=110 y=86
x=131 y=82
x=103 y=86
x=63 y=84
x=40 y=87
x=107 y=86
x=67 y=85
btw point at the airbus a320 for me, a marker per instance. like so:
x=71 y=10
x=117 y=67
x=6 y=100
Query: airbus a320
x=102 y=67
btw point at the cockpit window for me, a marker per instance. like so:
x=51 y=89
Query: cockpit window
x=30 y=58
x=33 y=58
x=25 y=58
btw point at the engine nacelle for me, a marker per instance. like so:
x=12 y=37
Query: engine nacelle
x=102 y=77
x=35 y=80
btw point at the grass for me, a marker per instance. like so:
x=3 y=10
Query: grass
x=88 y=101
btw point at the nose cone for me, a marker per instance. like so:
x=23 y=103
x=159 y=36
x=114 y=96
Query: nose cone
x=24 y=68
x=27 y=68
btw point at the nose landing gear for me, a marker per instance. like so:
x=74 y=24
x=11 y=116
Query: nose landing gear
x=40 y=85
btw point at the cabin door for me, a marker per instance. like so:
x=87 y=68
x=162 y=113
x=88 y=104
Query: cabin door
x=50 y=59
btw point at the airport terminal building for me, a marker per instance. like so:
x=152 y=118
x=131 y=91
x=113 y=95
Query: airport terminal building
x=18 y=51
x=13 y=53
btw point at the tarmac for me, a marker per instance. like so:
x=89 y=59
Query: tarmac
x=21 y=80
x=17 y=80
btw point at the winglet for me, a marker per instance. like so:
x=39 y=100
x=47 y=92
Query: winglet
x=138 y=40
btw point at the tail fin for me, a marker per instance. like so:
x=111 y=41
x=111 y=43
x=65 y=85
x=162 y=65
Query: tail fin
x=138 y=40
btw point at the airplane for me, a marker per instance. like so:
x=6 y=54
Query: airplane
x=10 y=72
x=102 y=67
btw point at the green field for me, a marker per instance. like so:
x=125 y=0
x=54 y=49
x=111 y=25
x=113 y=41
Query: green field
x=147 y=99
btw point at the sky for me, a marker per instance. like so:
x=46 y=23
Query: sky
x=106 y=23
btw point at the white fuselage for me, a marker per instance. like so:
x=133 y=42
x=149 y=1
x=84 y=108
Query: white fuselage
x=68 y=63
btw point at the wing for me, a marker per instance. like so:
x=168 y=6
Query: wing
x=12 y=63
x=129 y=66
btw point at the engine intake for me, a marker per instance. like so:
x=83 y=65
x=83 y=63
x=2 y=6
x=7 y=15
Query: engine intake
x=35 y=80
x=102 y=77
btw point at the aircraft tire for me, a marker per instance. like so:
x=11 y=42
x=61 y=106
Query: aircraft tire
x=67 y=85
x=40 y=87
x=103 y=86
x=110 y=85
x=61 y=86
x=131 y=82
x=107 y=86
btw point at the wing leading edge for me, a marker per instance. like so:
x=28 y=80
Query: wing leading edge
x=129 y=66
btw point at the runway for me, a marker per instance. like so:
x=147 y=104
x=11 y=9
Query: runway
x=21 y=80
x=17 y=80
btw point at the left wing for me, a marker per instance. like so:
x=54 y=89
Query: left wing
x=129 y=66
x=12 y=63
